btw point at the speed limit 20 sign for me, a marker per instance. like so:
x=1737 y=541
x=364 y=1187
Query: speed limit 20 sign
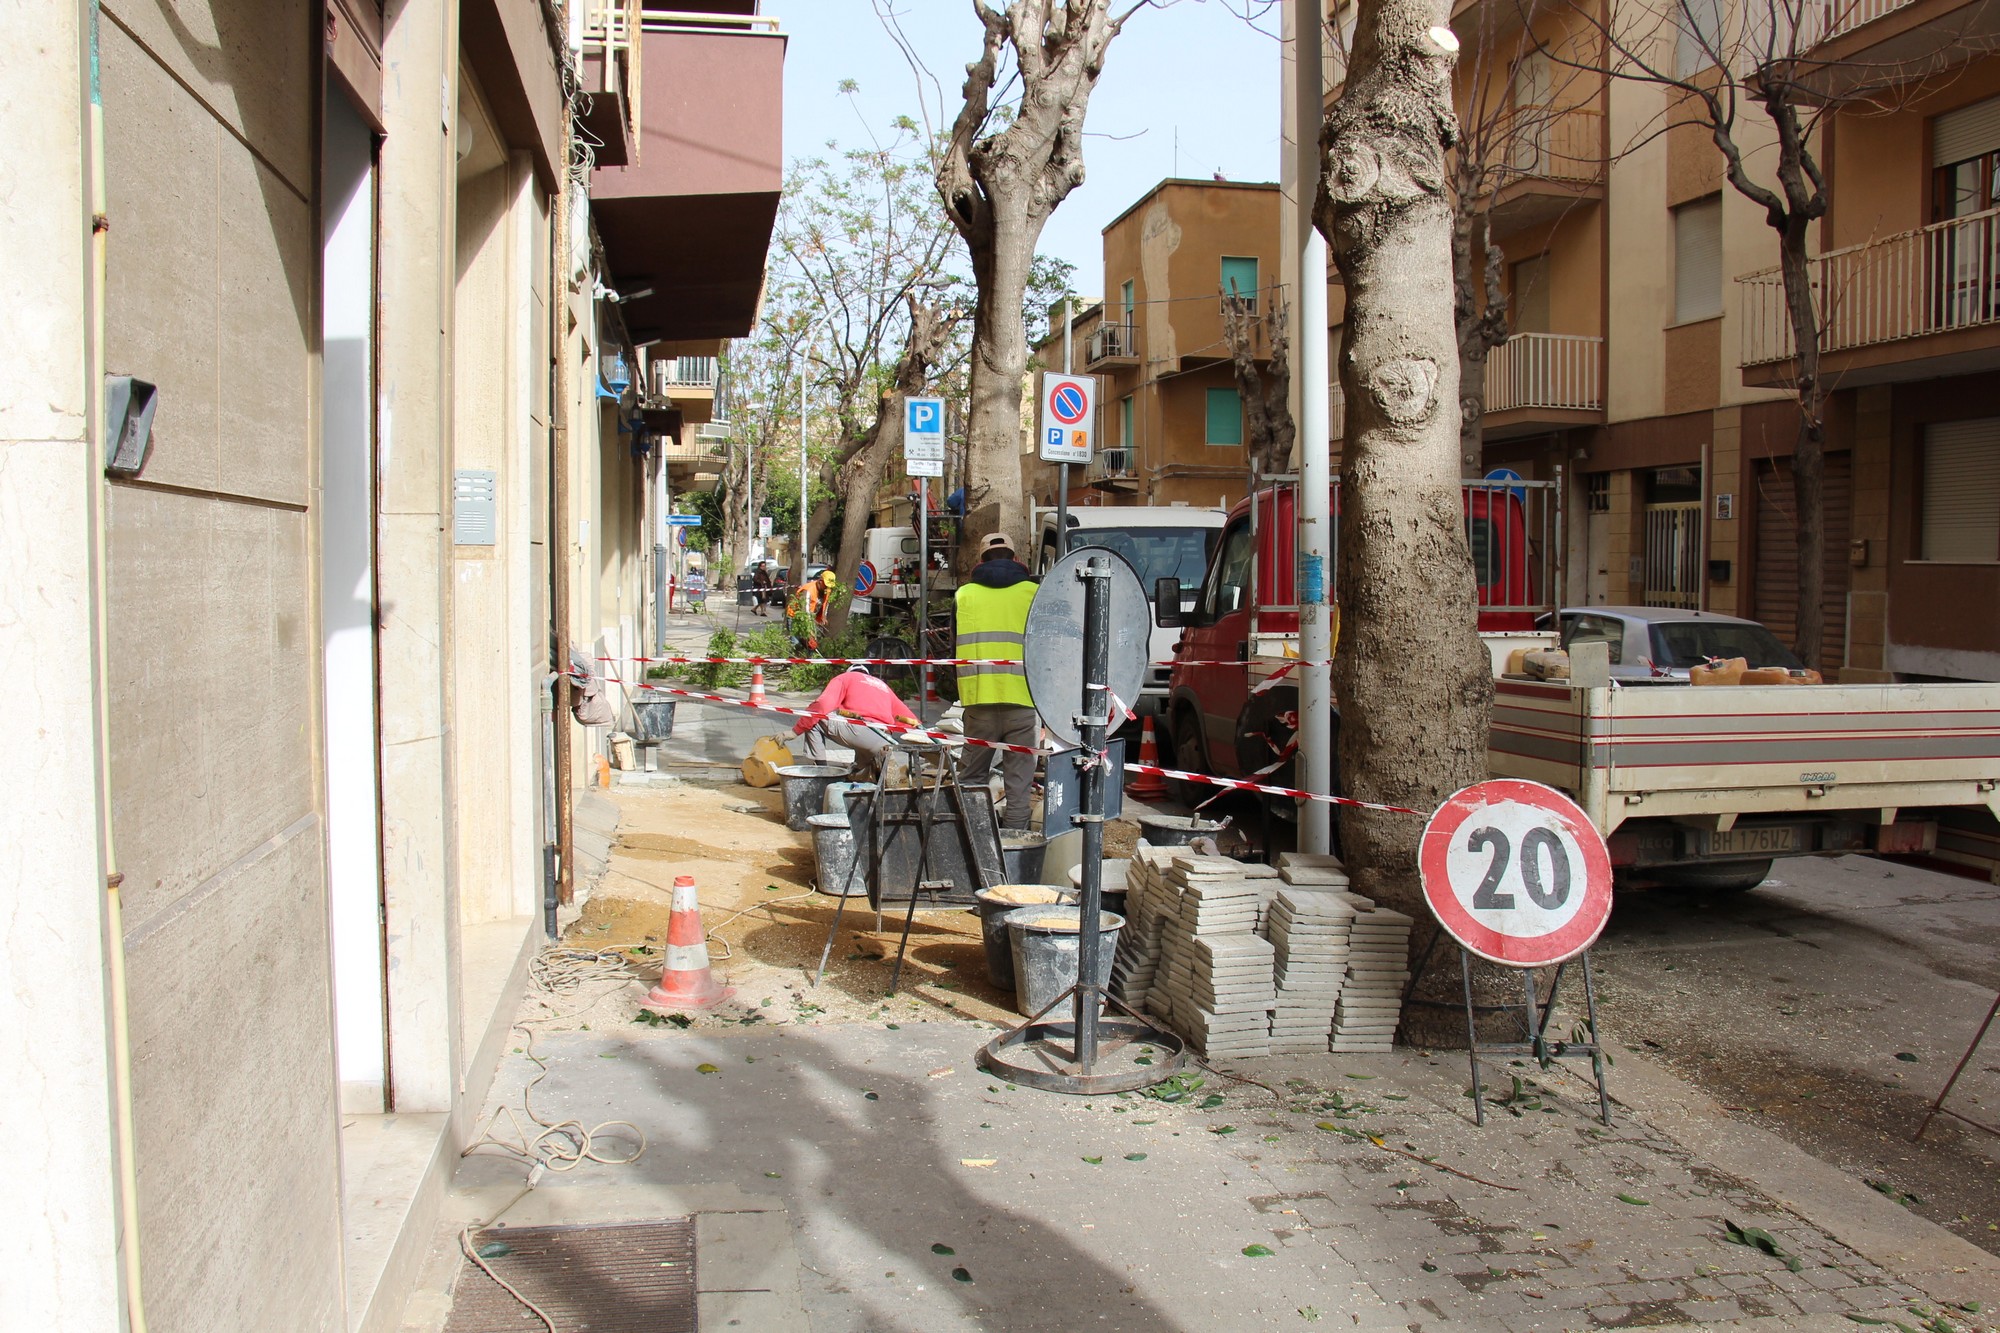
x=1516 y=873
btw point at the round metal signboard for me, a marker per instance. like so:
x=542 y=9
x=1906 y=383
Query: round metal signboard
x=864 y=579
x=1054 y=653
x=1516 y=873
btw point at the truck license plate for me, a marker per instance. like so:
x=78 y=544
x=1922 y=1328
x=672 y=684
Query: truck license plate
x=1756 y=840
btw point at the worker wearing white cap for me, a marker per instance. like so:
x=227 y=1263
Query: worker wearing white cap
x=993 y=624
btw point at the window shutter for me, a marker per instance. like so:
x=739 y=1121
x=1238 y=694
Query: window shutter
x=1962 y=490
x=1970 y=131
x=1239 y=277
x=1225 y=417
x=1698 y=260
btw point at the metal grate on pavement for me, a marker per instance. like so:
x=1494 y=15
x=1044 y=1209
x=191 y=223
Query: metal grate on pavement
x=620 y=1277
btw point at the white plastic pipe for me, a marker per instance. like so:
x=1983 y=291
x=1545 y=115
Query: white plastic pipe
x=1315 y=502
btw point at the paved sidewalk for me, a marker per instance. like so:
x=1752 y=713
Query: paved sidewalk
x=881 y=1142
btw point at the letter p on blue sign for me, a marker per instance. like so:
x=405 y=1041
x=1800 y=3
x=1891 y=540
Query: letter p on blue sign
x=925 y=416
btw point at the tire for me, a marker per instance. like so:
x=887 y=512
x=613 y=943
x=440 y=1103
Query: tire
x=1713 y=876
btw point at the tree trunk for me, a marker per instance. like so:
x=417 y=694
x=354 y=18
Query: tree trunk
x=1410 y=673
x=999 y=360
x=1809 y=453
x=1480 y=330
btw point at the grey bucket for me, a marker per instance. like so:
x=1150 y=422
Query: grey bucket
x=836 y=795
x=1045 y=958
x=655 y=715
x=1021 y=852
x=840 y=871
x=1177 y=830
x=805 y=791
x=993 y=932
x=1110 y=885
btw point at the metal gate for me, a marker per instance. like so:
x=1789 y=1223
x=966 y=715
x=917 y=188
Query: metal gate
x=1673 y=554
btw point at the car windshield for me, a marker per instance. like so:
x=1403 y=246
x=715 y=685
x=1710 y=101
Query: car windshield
x=1686 y=643
x=1156 y=553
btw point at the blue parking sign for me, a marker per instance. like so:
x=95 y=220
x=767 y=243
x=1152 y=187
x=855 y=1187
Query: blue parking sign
x=1058 y=437
x=926 y=416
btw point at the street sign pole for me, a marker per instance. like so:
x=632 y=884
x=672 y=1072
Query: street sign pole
x=923 y=593
x=1062 y=469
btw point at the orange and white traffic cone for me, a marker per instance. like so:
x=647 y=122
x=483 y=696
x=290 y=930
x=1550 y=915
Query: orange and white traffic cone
x=686 y=982
x=1147 y=786
x=757 y=699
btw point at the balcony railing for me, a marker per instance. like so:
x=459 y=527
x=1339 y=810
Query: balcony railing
x=1107 y=464
x=1822 y=20
x=1553 y=371
x=1558 y=145
x=1107 y=341
x=611 y=28
x=683 y=373
x=1933 y=280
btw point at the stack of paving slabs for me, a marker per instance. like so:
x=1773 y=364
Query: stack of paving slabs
x=1309 y=943
x=1215 y=979
x=1149 y=901
x=1316 y=871
x=1371 y=1000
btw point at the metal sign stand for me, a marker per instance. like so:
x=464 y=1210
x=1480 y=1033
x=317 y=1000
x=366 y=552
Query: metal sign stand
x=1065 y=1057
x=1964 y=1060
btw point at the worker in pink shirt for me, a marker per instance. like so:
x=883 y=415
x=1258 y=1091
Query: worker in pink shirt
x=854 y=710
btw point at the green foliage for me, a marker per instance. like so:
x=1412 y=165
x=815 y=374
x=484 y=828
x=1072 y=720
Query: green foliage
x=851 y=642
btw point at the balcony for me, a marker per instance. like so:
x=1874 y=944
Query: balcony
x=1111 y=345
x=1544 y=381
x=688 y=221
x=1917 y=305
x=1554 y=159
x=611 y=52
x=1869 y=43
x=1113 y=470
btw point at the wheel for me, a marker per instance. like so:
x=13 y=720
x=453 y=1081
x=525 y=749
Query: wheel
x=1713 y=876
x=1189 y=756
x=901 y=679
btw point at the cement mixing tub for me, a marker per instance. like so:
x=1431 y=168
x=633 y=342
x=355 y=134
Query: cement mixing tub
x=1046 y=944
x=805 y=791
x=1178 y=830
x=1021 y=852
x=841 y=874
x=1110 y=885
x=994 y=905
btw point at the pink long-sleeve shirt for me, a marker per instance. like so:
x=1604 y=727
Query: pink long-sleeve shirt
x=859 y=693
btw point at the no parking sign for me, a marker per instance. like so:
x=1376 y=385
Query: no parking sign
x=1517 y=873
x=1068 y=417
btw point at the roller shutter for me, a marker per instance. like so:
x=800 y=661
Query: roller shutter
x=1971 y=131
x=1961 y=491
x=1774 y=598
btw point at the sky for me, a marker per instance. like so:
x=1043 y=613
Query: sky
x=1188 y=90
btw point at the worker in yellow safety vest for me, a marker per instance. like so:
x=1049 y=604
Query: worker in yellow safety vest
x=992 y=624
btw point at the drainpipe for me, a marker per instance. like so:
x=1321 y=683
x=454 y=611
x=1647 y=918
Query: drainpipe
x=1315 y=503
x=559 y=545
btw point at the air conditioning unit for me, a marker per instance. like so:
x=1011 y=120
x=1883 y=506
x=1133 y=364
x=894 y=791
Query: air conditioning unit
x=712 y=430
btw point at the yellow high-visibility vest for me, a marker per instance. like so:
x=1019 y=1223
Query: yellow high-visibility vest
x=993 y=623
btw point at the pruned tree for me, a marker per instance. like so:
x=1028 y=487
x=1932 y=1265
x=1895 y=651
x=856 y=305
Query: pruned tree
x=1013 y=153
x=1269 y=430
x=1413 y=680
x=1754 y=76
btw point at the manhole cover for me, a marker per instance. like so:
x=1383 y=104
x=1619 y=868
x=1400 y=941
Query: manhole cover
x=624 y=1277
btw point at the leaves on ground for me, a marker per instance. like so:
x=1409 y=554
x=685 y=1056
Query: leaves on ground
x=1095 y=1161
x=977 y=1161
x=1223 y=1129
x=495 y=1249
x=1757 y=1238
x=774 y=1175
x=1309 y=1313
x=1258 y=1251
x=1907 y=1057
x=1429 y=1267
x=653 y=1020
x=895 y=1027
x=1635 y=1201
x=1904 y=1197
x=1135 y=1157
x=960 y=1275
x=872 y=1096
x=941 y=1248
x=1210 y=1102
x=1176 y=1089
x=706 y=1069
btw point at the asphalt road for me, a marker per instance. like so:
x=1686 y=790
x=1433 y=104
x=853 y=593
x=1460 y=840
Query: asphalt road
x=1829 y=1006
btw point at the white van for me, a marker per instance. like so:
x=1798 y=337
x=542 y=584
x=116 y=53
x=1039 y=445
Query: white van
x=1157 y=542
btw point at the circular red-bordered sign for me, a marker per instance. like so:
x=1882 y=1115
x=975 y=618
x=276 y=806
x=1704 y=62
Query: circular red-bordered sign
x=1068 y=404
x=1517 y=873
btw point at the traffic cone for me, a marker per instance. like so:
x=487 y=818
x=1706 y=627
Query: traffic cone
x=686 y=982
x=1147 y=786
x=757 y=699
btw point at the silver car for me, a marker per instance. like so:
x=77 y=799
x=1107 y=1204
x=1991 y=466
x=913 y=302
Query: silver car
x=1655 y=645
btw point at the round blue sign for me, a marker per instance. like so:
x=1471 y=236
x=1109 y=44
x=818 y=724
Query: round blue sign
x=864 y=579
x=1068 y=404
x=1508 y=474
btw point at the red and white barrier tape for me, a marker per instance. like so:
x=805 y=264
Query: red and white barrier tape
x=1285 y=663
x=1230 y=784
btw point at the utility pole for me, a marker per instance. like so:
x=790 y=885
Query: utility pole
x=803 y=553
x=1315 y=502
x=1062 y=469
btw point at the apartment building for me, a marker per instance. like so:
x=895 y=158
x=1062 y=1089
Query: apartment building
x=1169 y=417
x=314 y=440
x=1649 y=362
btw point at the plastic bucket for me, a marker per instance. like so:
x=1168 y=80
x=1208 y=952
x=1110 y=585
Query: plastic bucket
x=1178 y=830
x=994 y=905
x=841 y=874
x=836 y=795
x=804 y=787
x=655 y=716
x=1046 y=946
x=1021 y=852
x=1110 y=885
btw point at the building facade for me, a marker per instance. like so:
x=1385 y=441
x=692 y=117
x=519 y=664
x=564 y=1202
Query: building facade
x=1170 y=419
x=311 y=480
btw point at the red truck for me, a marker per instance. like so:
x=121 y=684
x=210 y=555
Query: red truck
x=1247 y=612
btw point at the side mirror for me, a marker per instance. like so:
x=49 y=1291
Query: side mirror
x=1167 y=602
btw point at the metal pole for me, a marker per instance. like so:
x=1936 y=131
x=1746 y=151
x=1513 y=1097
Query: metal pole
x=1315 y=502
x=923 y=592
x=803 y=553
x=1062 y=469
x=1096 y=576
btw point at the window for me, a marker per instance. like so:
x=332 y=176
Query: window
x=1125 y=423
x=1239 y=278
x=1530 y=299
x=1597 y=492
x=1961 y=491
x=1224 y=423
x=1125 y=299
x=1231 y=584
x=1698 y=35
x=1698 y=260
x=1596 y=629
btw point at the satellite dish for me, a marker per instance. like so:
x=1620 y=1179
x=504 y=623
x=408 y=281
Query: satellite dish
x=1054 y=654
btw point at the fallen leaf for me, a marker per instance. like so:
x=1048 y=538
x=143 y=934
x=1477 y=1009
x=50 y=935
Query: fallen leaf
x=1095 y=1161
x=895 y=1027
x=960 y=1275
x=872 y=1096
x=1258 y=1251
x=1223 y=1129
x=1135 y=1157
x=1907 y=1057
x=1309 y=1314
x=495 y=1249
x=1430 y=1268
x=977 y=1161
x=942 y=1248
x=1634 y=1201
x=773 y=1175
x=706 y=1069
